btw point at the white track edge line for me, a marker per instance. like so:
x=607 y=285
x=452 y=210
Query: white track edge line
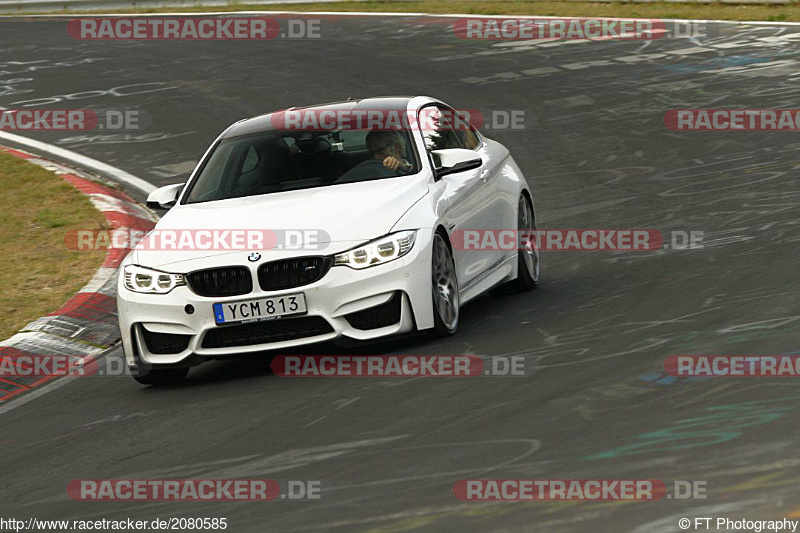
x=112 y=172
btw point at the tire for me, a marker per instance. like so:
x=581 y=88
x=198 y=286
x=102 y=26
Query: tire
x=529 y=262
x=160 y=376
x=444 y=288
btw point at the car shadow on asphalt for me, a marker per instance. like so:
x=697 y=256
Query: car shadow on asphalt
x=257 y=365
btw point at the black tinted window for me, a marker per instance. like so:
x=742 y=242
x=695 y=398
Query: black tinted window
x=284 y=161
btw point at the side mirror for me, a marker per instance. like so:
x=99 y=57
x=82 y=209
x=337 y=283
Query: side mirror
x=164 y=197
x=452 y=160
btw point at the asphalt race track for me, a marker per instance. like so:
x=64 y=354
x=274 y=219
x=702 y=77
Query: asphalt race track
x=597 y=154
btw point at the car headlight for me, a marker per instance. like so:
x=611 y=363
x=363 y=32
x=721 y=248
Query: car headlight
x=377 y=252
x=141 y=279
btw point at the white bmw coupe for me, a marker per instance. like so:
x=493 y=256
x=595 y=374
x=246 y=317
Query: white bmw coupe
x=358 y=227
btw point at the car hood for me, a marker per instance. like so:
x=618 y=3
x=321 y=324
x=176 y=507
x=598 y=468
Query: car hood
x=337 y=216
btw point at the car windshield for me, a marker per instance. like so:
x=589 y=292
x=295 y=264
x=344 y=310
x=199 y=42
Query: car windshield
x=279 y=161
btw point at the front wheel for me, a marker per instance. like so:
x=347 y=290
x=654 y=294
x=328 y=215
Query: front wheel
x=444 y=285
x=529 y=265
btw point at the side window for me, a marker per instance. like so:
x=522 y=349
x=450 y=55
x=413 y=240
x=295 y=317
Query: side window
x=469 y=138
x=437 y=130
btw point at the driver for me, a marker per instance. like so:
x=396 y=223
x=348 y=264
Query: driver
x=389 y=148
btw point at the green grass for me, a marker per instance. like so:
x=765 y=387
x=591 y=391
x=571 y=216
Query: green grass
x=784 y=12
x=38 y=273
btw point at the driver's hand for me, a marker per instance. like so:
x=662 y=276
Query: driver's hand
x=392 y=163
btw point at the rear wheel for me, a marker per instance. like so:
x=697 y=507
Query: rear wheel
x=529 y=261
x=444 y=285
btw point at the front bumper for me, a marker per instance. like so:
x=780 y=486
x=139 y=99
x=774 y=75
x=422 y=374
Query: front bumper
x=342 y=291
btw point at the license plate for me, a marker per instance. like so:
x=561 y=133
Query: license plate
x=260 y=309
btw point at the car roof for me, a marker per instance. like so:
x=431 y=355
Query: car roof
x=262 y=123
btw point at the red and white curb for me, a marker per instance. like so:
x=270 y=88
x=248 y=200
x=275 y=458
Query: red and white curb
x=87 y=323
